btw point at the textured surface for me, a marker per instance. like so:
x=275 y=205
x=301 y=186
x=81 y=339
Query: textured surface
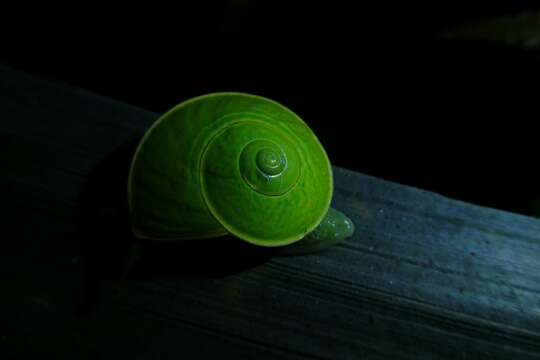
x=423 y=277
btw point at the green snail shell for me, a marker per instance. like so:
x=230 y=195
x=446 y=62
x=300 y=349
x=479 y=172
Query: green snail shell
x=229 y=163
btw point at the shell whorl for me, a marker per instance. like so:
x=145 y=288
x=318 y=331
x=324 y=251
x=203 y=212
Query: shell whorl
x=265 y=167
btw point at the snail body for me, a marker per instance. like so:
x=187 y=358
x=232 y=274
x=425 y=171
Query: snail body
x=229 y=163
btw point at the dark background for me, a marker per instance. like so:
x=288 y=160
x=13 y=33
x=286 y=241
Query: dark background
x=383 y=91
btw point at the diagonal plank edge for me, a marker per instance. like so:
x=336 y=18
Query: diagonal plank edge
x=423 y=277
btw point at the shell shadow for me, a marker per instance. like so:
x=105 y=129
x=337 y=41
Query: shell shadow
x=111 y=254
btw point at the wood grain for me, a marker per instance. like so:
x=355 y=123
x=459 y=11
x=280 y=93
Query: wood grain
x=423 y=277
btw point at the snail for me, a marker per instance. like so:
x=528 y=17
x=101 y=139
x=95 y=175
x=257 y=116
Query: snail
x=234 y=163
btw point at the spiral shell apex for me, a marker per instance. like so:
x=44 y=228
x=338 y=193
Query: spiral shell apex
x=229 y=163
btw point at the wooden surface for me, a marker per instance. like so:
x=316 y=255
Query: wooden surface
x=423 y=277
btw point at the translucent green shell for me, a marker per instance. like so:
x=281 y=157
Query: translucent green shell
x=229 y=163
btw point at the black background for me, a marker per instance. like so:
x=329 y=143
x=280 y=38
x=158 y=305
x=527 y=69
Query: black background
x=385 y=94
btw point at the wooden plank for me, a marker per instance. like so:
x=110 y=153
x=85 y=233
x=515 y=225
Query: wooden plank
x=423 y=277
